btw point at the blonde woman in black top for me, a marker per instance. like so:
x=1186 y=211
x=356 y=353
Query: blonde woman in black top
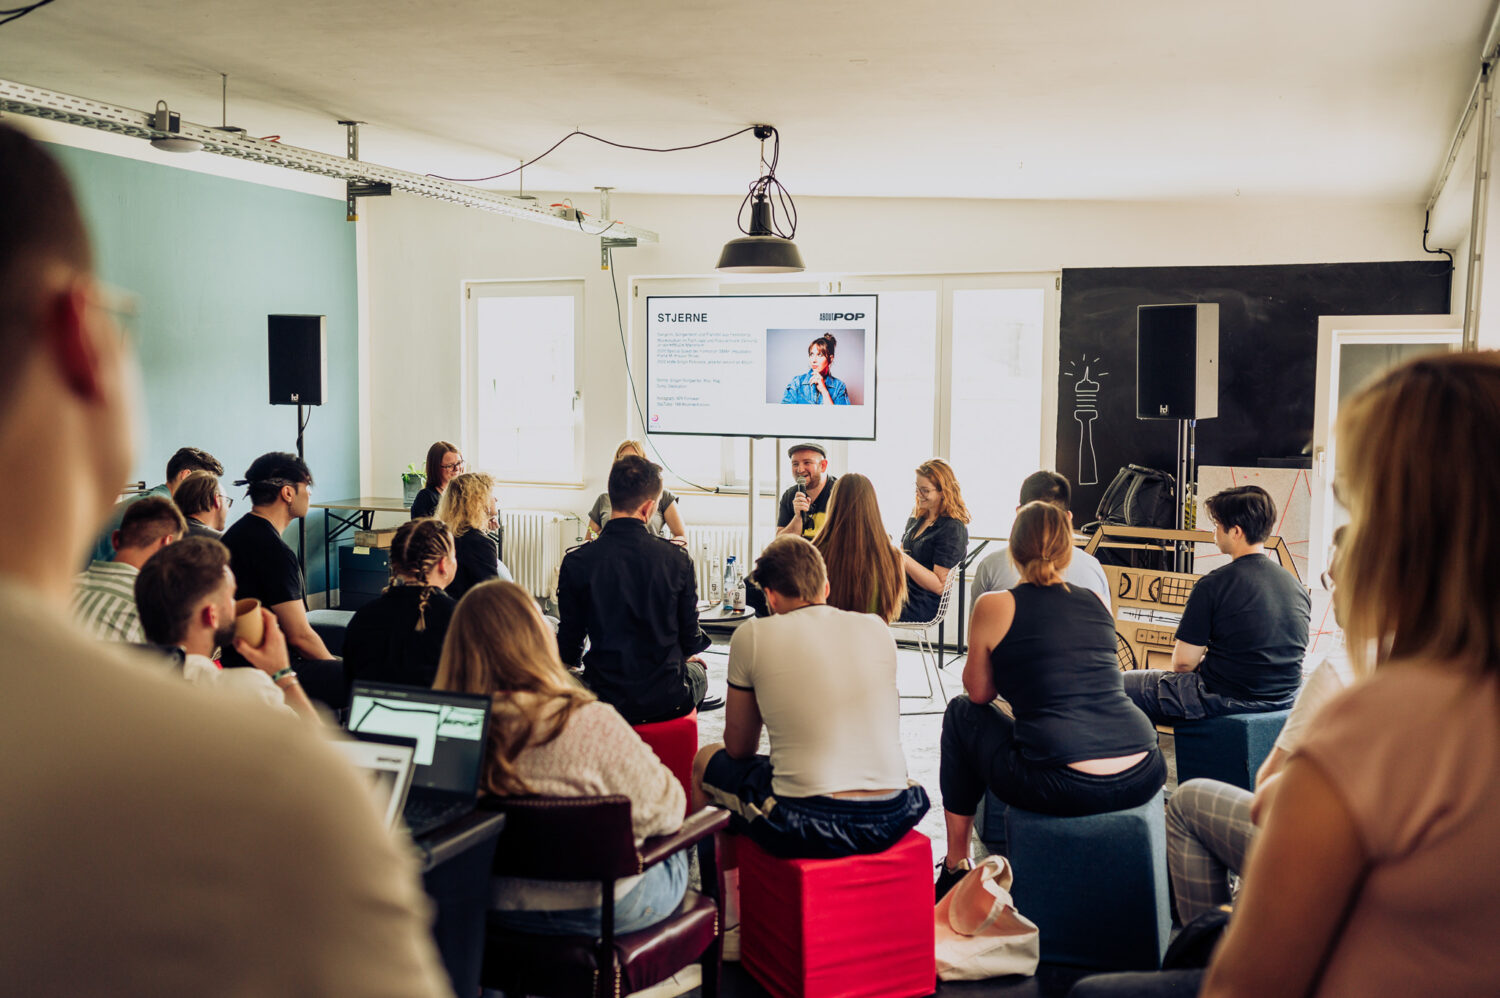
x=471 y=512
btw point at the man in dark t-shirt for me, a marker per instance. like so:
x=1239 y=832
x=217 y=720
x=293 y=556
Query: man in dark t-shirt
x=1243 y=632
x=265 y=568
x=804 y=506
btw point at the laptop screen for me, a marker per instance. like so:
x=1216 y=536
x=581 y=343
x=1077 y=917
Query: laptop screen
x=386 y=769
x=449 y=729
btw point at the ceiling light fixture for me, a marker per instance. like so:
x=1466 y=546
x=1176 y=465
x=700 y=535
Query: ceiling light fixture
x=169 y=123
x=765 y=248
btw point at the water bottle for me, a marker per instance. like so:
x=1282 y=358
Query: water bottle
x=731 y=580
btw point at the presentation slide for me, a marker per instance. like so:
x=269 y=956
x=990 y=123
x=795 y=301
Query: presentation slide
x=762 y=366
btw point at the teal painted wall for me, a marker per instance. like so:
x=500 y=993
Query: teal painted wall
x=209 y=258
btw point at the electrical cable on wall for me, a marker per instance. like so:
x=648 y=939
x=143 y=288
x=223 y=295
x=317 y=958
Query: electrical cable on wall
x=19 y=12
x=1426 y=223
x=587 y=135
x=634 y=396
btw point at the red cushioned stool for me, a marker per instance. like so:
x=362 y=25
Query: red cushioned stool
x=675 y=742
x=861 y=925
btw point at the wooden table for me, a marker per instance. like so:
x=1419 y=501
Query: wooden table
x=357 y=513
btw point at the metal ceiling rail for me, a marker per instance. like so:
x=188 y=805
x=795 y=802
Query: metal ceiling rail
x=35 y=102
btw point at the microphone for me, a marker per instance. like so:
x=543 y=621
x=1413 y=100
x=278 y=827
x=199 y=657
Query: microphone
x=801 y=483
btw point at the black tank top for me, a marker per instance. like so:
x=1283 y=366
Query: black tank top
x=1056 y=667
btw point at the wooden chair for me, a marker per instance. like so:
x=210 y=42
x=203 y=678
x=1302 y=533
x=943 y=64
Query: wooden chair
x=590 y=838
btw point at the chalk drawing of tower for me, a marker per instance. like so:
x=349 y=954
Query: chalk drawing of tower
x=1085 y=411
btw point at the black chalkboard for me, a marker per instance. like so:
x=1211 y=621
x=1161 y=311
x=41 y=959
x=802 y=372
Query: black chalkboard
x=1268 y=342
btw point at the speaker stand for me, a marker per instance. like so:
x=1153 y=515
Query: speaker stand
x=302 y=521
x=1187 y=473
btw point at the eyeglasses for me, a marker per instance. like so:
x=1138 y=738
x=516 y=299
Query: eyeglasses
x=226 y=500
x=927 y=493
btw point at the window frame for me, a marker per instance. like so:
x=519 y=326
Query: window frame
x=475 y=291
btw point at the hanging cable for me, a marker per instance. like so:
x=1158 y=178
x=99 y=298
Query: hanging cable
x=19 y=12
x=634 y=395
x=767 y=188
x=587 y=135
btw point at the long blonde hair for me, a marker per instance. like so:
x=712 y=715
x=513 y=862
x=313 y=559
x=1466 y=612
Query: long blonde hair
x=465 y=505
x=940 y=473
x=865 y=571
x=499 y=646
x=1419 y=572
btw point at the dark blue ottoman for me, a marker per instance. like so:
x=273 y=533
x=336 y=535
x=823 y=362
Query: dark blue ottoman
x=1229 y=748
x=330 y=626
x=989 y=823
x=1096 y=886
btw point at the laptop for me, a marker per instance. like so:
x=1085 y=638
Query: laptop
x=386 y=763
x=450 y=730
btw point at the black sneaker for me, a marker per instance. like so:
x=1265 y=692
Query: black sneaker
x=948 y=879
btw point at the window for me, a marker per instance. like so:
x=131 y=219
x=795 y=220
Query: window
x=995 y=404
x=525 y=413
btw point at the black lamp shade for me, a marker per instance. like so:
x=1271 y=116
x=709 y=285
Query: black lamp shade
x=760 y=255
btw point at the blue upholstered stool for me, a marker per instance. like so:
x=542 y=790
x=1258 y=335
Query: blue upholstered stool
x=330 y=626
x=1096 y=886
x=1229 y=748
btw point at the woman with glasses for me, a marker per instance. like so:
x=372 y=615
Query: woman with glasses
x=443 y=463
x=935 y=540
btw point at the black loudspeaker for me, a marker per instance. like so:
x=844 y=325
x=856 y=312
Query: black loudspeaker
x=1177 y=361
x=298 y=352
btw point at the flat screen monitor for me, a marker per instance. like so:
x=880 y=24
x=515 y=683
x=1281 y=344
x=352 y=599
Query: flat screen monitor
x=762 y=366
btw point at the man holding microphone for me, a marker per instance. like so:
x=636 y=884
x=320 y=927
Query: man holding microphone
x=804 y=505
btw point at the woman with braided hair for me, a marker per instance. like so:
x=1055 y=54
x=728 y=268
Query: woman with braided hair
x=398 y=636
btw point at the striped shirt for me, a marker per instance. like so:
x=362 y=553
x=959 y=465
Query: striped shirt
x=104 y=602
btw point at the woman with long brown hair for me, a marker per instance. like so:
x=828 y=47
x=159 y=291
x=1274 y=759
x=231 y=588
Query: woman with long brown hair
x=865 y=571
x=444 y=463
x=935 y=540
x=470 y=511
x=1072 y=743
x=398 y=636
x=550 y=736
x=1377 y=868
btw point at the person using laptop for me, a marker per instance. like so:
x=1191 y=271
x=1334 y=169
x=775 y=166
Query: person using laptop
x=156 y=841
x=185 y=595
x=554 y=738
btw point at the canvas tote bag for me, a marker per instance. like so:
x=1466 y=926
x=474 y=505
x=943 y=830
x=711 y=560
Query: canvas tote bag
x=979 y=932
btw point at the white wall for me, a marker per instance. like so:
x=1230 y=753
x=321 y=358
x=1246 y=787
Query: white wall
x=418 y=252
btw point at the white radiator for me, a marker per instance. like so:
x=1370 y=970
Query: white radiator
x=535 y=540
x=711 y=546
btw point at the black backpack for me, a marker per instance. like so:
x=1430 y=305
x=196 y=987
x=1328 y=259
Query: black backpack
x=1140 y=497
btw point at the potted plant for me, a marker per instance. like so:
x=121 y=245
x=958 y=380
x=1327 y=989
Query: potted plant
x=412 y=480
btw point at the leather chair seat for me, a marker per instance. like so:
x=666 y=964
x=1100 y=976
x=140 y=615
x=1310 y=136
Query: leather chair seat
x=535 y=964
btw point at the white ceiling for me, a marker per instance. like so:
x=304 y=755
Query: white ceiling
x=1066 y=99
